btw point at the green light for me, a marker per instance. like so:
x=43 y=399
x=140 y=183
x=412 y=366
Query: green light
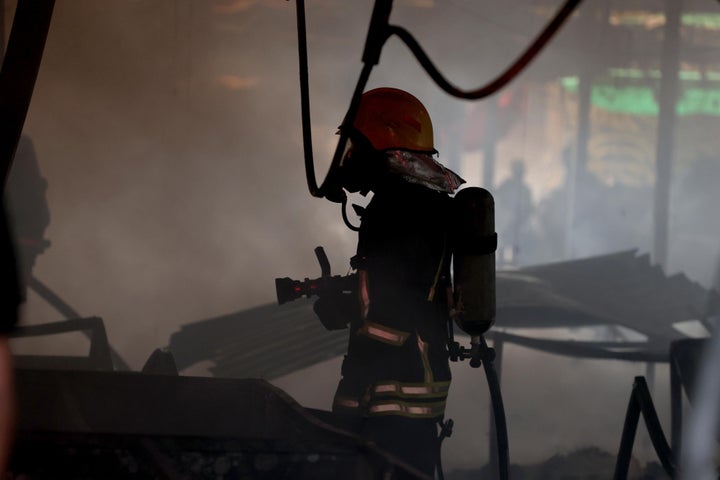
x=686 y=75
x=708 y=21
x=632 y=100
x=627 y=73
x=652 y=20
x=699 y=101
x=640 y=100
x=570 y=83
x=690 y=75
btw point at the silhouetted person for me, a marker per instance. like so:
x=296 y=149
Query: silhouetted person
x=27 y=207
x=513 y=203
x=396 y=376
x=605 y=217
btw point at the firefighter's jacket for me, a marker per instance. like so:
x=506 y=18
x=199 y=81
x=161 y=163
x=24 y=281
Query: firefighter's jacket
x=397 y=362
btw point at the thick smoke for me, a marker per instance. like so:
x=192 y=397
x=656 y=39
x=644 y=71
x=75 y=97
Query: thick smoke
x=169 y=134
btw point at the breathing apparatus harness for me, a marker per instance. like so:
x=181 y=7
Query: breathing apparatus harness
x=474 y=269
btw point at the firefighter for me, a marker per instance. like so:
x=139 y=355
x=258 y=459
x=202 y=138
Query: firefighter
x=27 y=208
x=396 y=376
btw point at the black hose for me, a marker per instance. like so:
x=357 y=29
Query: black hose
x=503 y=79
x=641 y=403
x=305 y=100
x=652 y=422
x=379 y=32
x=498 y=410
x=331 y=188
x=345 y=217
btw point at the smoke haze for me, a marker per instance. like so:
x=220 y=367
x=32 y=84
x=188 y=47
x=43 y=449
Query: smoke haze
x=169 y=134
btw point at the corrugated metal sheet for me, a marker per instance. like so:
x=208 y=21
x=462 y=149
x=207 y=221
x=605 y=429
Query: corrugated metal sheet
x=263 y=342
x=617 y=289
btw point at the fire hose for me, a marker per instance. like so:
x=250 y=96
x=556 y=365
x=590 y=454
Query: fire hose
x=379 y=32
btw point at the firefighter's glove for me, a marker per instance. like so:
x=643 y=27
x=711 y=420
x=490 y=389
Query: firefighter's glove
x=335 y=310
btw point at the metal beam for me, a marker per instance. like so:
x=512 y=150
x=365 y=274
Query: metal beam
x=665 y=144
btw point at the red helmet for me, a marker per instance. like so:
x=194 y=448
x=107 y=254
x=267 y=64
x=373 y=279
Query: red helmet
x=391 y=118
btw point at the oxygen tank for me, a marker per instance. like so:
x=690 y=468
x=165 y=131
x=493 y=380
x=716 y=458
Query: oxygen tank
x=474 y=245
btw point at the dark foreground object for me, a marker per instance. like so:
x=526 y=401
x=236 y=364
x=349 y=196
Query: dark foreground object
x=87 y=425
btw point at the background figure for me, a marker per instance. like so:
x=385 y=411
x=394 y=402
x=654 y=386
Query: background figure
x=513 y=205
x=607 y=216
x=28 y=211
